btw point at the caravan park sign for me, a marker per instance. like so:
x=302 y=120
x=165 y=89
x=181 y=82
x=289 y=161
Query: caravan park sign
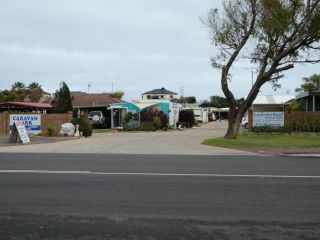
x=271 y=119
x=32 y=122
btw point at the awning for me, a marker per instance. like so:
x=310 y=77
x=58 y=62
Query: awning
x=142 y=106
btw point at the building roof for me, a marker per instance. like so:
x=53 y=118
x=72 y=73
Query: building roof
x=81 y=99
x=307 y=94
x=160 y=91
x=25 y=105
x=273 y=100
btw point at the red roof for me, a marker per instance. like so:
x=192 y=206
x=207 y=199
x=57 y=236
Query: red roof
x=26 y=104
x=81 y=99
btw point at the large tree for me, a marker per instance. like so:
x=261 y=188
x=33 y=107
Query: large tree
x=310 y=84
x=18 y=92
x=62 y=102
x=269 y=36
x=35 y=92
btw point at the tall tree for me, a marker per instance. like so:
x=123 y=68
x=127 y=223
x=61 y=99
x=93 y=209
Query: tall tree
x=310 y=84
x=272 y=35
x=62 y=102
x=35 y=92
x=18 y=92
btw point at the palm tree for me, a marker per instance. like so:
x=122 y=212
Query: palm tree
x=35 y=92
x=19 y=90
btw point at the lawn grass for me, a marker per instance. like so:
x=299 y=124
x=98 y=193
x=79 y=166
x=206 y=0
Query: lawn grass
x=101 y=130
x=267 y=141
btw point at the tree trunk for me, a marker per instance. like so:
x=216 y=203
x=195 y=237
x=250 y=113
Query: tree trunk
x=234 y=120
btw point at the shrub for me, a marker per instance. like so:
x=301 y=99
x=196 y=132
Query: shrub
x=302 y=122
x=147 y=126
x=50 y=131
x=186 y=118
x=84 y=126
x=293 y=107
x=157 y=123
x=150 y=114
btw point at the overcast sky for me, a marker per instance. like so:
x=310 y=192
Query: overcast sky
x=137 y=45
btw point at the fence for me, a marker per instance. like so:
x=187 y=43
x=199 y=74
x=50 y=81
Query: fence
x=296 y=121
x=54 y=120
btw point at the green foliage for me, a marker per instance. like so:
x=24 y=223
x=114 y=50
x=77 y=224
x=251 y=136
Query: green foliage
x=310 y=84
x=157 y=124
x=302 y=123
x=186 y=118
x=294 y=107
x=150 y=114
x=19 y=92
x=62 y=102
x=51 y=131
x=84 y=126
x=150 y=121
x=191 y=99
x=118 y=95
x=218 y=102
x=35 y=92
x=146 y=127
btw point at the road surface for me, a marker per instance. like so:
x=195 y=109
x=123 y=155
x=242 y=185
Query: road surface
x=73 y=196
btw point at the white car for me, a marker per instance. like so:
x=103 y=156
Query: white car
x=96 y=118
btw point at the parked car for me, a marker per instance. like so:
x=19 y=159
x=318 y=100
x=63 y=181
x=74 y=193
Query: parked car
x=97 y=119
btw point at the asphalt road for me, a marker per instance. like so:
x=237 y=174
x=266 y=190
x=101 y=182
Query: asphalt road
x=69 y=196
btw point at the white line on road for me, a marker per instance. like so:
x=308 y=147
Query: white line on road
x=155 y=174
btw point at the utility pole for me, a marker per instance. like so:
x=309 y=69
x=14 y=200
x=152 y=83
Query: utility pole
x=89 y=87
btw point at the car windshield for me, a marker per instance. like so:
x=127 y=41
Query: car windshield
x=91 y=114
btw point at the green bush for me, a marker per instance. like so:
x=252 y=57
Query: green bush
x=50 y=131
x=186 y=118
x=147 y=127
x=157 y=123
x=84 y=126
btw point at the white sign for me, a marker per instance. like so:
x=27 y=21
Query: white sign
x=271 y=119
x=22 y=131
x=32 y=122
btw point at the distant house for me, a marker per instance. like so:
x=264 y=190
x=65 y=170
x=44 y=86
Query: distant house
x=310 y=101
x=83 y=103
x=160 y=93
x=46 y=97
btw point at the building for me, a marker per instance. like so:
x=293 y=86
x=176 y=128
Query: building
x=161 y=93
x=310 y=101
x=25 y=107
x=83 y=103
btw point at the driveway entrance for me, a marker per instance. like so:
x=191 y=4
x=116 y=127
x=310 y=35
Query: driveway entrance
x=186 y=142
